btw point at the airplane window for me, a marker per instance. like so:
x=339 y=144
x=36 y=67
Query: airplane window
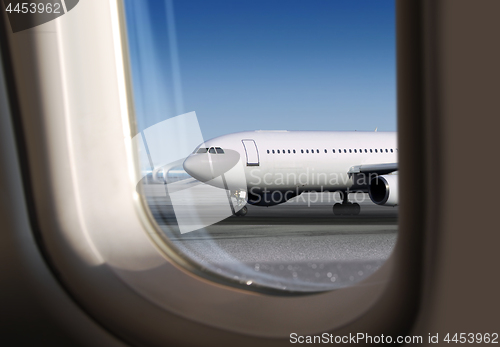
x=219 y=150
x=366 y=151
x=392 y=150
x=386 y=151
x=191 y=77
x=376 y=150
x=202 y=150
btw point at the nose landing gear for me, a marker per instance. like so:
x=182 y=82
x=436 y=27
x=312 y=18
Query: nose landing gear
x=240 y=201
x=346 y=208
x=242 y=212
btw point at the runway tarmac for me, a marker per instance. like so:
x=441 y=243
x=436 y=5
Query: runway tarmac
x=298 y=245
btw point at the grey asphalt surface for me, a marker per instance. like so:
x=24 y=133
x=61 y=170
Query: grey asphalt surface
x=298 y=245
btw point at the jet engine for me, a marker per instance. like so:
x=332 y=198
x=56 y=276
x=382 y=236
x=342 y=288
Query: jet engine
x=383 y=190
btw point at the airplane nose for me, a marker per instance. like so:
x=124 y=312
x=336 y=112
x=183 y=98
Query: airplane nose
x=206 y=166
x=199 y=167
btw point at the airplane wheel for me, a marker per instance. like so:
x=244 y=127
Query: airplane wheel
x=338 y=209
x=346 y=209
x=242 y=212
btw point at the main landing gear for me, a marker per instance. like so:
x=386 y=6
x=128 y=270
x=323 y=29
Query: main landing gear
x=346 y=208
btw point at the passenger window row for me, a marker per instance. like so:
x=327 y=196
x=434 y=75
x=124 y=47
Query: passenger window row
x=371 y=150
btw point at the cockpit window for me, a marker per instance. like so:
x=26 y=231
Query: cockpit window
x=211 y=150
x=202 y=150
x=219 y=150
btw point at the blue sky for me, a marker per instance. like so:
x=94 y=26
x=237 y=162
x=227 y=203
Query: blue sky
x=264 y=64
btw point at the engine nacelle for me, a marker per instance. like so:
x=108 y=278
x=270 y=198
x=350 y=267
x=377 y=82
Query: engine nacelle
x=383 y=190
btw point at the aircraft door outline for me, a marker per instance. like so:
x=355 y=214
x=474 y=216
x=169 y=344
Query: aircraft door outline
x=252 y=152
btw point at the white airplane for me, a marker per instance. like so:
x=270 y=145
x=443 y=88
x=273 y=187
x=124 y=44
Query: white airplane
x=280 y=165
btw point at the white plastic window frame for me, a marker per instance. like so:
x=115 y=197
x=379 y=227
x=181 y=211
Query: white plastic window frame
x=74 y=95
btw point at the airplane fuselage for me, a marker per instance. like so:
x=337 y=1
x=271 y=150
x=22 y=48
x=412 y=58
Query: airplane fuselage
x=306 y=160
